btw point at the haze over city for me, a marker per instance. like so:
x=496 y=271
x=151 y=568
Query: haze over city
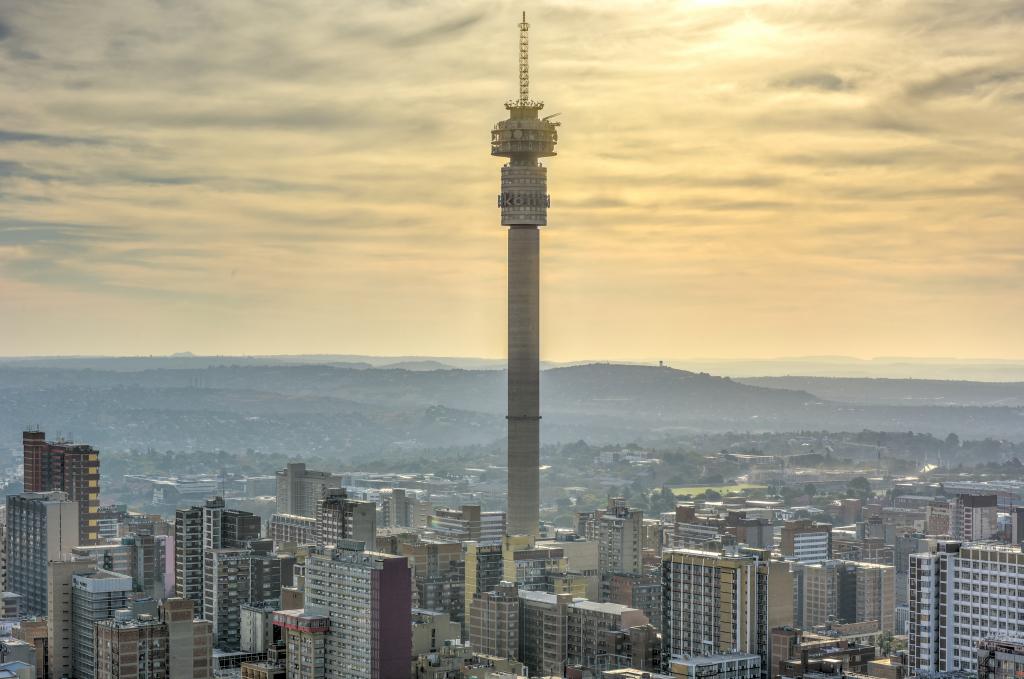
x=735 y=179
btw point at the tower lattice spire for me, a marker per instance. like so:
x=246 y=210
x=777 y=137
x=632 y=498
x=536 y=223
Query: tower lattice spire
x=524 y=61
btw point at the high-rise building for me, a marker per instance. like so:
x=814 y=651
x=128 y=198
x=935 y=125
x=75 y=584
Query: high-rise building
x=143 y=557
x=299 y=489
x=590 y=633
x=432 y=631
x=1000 y=659
x=619 y=539
x=171 y=645
x=961 y=593
x=723 y=603
x=806 y=541
x=641 y=591
x=94 y=597
x=401 y=509
x=257 y=629
x=60 y=628
x=34 y=631
x=291 y=529
x=192 y=640
x=937 y=518
x=437 y=576
x=3 y=547
x=467 y=523
x=534 y=568
x=131 y=647
x=232 y=577
x=41 y=527
x=367 y=596
x=543 y=632
x=494 y=621
x=339 y=517
x=305 y=642
x=973 y=517
x=482 y=569
x=524 y=138
x=845 y=592
x=72 y=468
x=206 y=527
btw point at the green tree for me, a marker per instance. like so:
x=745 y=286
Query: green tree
x=859 y=487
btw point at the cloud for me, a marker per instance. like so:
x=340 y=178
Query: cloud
x=714 y=158
x=826 y=82
x=966 y=82
x=14 y=137
x=439 y=31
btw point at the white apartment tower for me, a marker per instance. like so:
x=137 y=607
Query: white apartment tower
x=961 y=593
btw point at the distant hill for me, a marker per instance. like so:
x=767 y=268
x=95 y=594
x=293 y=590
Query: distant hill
x=900 y=391
x=347 y=409
x=416 y=365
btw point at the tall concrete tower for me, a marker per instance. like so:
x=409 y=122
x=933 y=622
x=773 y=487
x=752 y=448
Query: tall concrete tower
x=524 y=138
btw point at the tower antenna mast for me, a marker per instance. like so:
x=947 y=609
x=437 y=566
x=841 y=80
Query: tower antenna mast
x=524 y=61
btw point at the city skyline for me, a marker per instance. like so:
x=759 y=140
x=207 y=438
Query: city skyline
x=739 y=180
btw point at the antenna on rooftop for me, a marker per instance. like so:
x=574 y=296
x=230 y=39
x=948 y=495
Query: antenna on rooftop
x=524 y=61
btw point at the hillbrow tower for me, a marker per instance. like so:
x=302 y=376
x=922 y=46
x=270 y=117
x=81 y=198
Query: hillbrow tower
x=524 y=138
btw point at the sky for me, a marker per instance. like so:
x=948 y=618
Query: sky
x=733 y=179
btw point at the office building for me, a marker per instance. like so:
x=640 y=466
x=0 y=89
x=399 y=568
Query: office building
x=305 y=642
x=524 y=138
x=205 y=527
x=233 y=577
x=68 y=467
x=467 y=523
x=717 y=666
x=483 y=567
x=142 y=557
x=641 y=591
x=620 y=539
x=543 y=632
x=170 y=645
x=937 y=518
x=299 y=489
x=432 y=631
x=291 y=529
x=973 y=517
x=41 y=527
x=400 y=508
x=95 y=597
x=339 y=517
x=961 y=593
x=723 y=603
x=540 y=569
x=367 y=596
x=33 y=631
x=806 y=541
x=845 y=592
x=1000 y=659
x=494 y=621
x=590 y=633
x=437 y=576
x=257 y=629
x=191 y=640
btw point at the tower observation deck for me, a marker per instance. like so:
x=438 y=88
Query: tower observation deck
x=524 y=137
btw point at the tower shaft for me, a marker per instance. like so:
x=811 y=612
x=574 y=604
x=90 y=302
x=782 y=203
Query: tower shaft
x=523 y=380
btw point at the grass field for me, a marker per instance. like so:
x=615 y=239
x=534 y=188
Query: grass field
x=724 y=490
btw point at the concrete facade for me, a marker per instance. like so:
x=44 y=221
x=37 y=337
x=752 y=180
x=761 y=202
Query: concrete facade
x=41 y=527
